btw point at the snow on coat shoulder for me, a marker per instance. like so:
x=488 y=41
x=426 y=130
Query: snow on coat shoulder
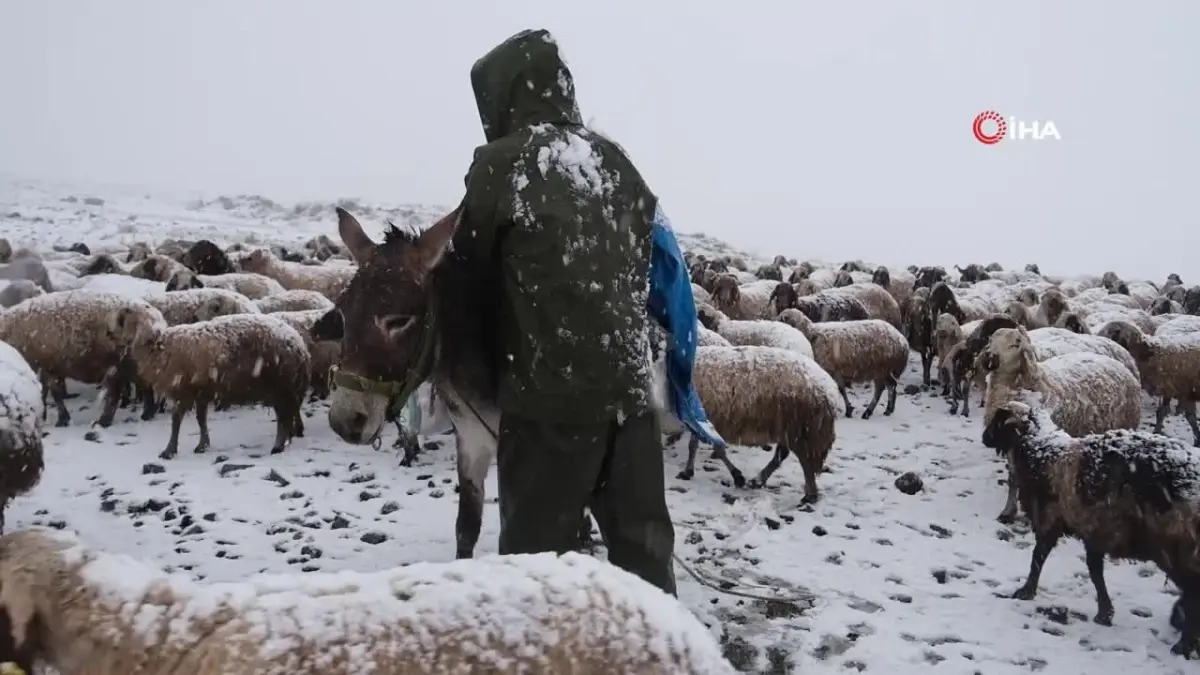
x=539 y=613
x=20 y=395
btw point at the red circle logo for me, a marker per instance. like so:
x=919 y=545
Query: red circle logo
x=984 y=137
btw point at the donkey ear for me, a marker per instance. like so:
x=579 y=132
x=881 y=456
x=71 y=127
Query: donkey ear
x=434 y=242
x=351 y=232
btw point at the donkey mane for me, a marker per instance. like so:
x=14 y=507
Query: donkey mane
x=395 y=237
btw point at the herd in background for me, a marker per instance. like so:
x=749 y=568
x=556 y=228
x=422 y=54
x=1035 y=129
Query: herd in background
x=1063 y=366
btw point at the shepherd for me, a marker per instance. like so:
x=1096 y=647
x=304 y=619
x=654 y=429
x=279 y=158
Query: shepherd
x=527 y=307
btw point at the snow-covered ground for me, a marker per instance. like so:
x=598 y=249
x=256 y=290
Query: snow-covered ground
x=899 y=583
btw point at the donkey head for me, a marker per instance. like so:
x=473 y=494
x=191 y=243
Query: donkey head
x=387 y=314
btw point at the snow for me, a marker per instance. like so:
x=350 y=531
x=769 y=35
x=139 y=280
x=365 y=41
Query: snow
x=902 y=584
x=21 y=405
x=571 y=155
x=120 y=284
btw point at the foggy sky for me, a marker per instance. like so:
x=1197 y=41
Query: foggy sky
x=826 y=129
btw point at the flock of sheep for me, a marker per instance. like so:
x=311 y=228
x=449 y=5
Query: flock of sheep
x=1063 y=365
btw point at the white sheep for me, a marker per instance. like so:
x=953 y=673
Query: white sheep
x=879 y=302
x=294 y=301
x=81 y=611
x=1050 y=342
x=200 y=304
x=754 y=333
x=328 y=280
x=17 y=291
x=1170 y=368
x=709 y=338
x=869 y=350
x=323 y=356
x=253 y=286
x=21 y=413
x=1177 y=325
x=72 y=334
x=1086 y=393
x=743 y=301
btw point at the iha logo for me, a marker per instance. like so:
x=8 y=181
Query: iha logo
x=990 y=128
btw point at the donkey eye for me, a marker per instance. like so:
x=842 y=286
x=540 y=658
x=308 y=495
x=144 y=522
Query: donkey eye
x=395 y=323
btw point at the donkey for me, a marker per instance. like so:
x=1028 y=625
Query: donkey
x=410 y=314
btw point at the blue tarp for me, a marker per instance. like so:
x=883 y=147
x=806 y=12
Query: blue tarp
x=671 y=304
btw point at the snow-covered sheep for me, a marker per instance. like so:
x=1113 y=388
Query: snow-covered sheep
x=200 y=304
x=900 y=284
x=710 y=338
x=157 y=267
x=946 y=334
x=856 y=351
x=961 y=363
x=1086 y=393
x=1052 y=305
x=1074 y=322
x=78 y=610
x=253 y=286
x=1125 y=494
x=128 y=286
x=328 y=280
x=964 y=306
x=763 y=396
x=700 y=296
x=1170 y=368
x=239 y=359
x=293 y=301
x=919 y=330
x=1050 y=342
x=1177 y=325
x=743 y=301
x=1164 y=305
x=102 y=263
x=17 y=291
x=73 y=335
x=820 y=306
x=323 y=355
x=879 y=302
x=21 y=413
x=32 y=269
x=1108 y=314
x=205 y=257
x=757 y=333
x=1023 y=314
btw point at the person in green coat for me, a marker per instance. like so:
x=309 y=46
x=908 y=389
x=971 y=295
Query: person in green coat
x=559 y=221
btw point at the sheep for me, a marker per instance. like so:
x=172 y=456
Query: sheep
x=878 y=301
x=699 y=295
x=1073 y=322
x=138 y=252
x=1033 y=268
x=919 y=331
x=21 y=413
x=328 y=281
x=743 y=302
x=253 y=286
x=900 y=285
x=820 y=307
x=764 y=395
x=928 y=277
x=972 y=273
x=771 y=272
x=1051 y=307
x=1125 y=494
x=961 y=363
x=1139 y=318
x=1191 y=301
x=73 y=334
x=947 y=333
x=231 y=360
x=964 y=307
x=18 y=291
x=1177 y=325
x=1050 y=342
x=32 y=269
x=1164 y=305
x=200 y=304
x=856 y=351
x=293 y=301
x=1020 y=313
x=157 y=267
x=1087 y=393
x=78 y=610
x=754 y=333
x=322 y=247
x=100 y=264
x=205 y=257
x=1170 y=368
x=323 y=355
x=710 y=338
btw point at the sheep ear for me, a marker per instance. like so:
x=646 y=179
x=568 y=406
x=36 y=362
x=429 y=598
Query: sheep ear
x=351 y=232
x=434 y=242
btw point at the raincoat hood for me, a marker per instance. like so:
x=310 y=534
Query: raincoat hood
x=521 y=82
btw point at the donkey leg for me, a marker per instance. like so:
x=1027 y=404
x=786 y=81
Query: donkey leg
x=476 y=449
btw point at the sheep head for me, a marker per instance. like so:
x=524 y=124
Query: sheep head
x=1119 y=288
x=1073 y=322
x=842 y=279
x=1053 y=305
x=135 y=324
x=182 y=281
x=1191 y=300
x=154 y=268
x=710 y=317
x=1010 y=351
x=1010 y=423
x=1128 y=336
x=258 y=261
x=946 y=323
x=1109 y=279
x=783 y=296
x=1033 y=267
x=796 y=319
x=1028 y=297
x=1161 y=305
x=881 y=277
x=725 y=291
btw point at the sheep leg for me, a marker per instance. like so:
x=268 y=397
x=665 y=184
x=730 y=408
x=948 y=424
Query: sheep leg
x=1187 y=644
x=845 y=398
x=891 y=402
x=297 y=422
x=58 y=391
x=1046 y=541
x=781 y=453
x=966 y=396
x=734 y=473
x=870 y=410
x=944 y=376
x=1160 y=415
x=1189 y=413
x=177 y=415
x=689 y=469
x=1104 y=605
x=150 y=403
x=811 y=492
x=202 y=421
x=1009 y=513
x=285 y=421
x=926 y=365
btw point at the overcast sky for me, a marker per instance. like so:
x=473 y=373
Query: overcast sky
x=824 y=129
